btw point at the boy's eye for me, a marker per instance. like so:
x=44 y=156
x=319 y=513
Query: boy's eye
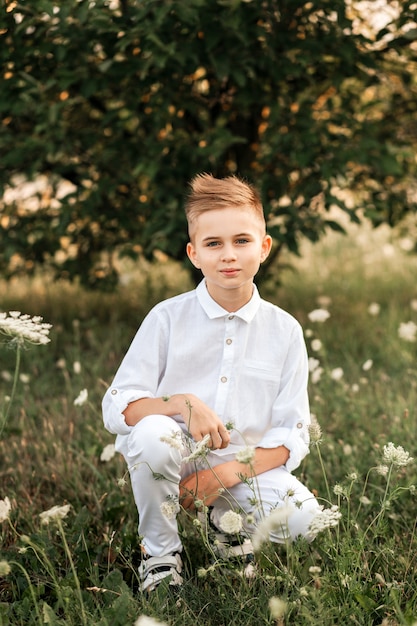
x=240 y=241
x=212 y=244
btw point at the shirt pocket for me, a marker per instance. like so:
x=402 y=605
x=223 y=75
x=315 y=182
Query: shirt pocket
x=262 y=371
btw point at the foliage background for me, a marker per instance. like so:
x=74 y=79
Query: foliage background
x=111 y=107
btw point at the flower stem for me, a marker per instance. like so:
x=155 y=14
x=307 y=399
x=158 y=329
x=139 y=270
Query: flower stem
x=5 y=416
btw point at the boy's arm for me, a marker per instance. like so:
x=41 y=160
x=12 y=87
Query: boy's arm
x=206 y=485
x=199 y=419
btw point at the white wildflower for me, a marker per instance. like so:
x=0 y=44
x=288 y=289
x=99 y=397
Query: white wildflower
x=318 y=315
x=24 y=378
x=145 y=620
x=382 y=470
x=23 y=328
x=277 y=520
x=201 y=450
x=339 y=490
x=355 y=388
x=5 y=568
x=55 y=513
x=345 y=579
x=408 y=331
x=352 y=476
x=81 y=398
x=170 y=509
x=316 y=345
x=6 y=376
x=367 y=365
x=313 y=364
x=5 y=508
x=314 y=569
x=396 y=455
x=336 y=373
x=76 y=366
x=246 y=455
x=108 y=453
x=174 y=440
x=277 y=607
x=413 y=304
x=347 y=449
x=327 y=518
x=365 y=500
x=374 y=308
x=316 y=375
x=231 y=523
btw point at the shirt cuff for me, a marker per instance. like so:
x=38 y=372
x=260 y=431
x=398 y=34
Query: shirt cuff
x=295 y=439
x=115 y=402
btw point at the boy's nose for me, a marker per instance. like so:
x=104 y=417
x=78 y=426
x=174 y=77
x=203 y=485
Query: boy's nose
x=229 y=254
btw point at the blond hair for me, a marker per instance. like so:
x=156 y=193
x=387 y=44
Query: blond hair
x=208 y=193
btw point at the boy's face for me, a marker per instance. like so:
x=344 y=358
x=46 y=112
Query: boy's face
x=228 y=245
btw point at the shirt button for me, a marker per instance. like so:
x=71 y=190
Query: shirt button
x=228 y=341
x=231 y=317
x=113 y=392
x=224 y=379
x=299 y=425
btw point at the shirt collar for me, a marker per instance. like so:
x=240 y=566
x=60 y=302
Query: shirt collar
x=213 y=310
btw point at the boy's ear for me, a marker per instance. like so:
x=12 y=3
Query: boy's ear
x=266 y=247
x=192 y=255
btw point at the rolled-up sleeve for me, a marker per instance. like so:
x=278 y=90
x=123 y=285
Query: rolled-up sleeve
x=291 y=411
x=137 y=376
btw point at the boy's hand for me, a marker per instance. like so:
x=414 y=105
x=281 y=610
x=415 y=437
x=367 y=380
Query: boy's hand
x=202 y=485
x=201 y=421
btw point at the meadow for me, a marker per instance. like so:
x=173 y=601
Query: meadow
x=356 y=298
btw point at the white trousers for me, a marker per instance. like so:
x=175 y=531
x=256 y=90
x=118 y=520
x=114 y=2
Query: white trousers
x=156 y=469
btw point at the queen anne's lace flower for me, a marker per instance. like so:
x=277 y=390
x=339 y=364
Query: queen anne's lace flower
x=5 y=568
x=170 y=509
x=276 y=521
x=336 y=373
x=327 y=518
x=174 y=440
x=200 y=451
x=278 y=608
x=55 y=513
x=396 y=455
x=374 y=308
x=318 y=315
x=81 y=398
x=5 y=508
x=246 y=455
x=145 y=620
x=408 y=331
x=231 y=522
x=23 y=328
x=108 y=453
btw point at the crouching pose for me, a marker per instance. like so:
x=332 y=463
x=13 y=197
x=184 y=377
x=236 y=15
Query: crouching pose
x=210 y=402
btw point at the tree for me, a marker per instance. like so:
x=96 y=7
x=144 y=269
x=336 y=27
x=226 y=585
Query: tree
x=126 y=101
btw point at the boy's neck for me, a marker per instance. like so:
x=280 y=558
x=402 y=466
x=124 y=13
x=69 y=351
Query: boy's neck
x=231 y=299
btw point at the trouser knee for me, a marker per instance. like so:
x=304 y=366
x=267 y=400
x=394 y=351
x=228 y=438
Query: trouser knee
x=149 y=443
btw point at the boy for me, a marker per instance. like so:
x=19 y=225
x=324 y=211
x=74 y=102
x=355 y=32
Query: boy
x=212 y=357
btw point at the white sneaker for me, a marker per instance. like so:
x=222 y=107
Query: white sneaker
x=238 y=552
x=154 y=569
x=226 y=548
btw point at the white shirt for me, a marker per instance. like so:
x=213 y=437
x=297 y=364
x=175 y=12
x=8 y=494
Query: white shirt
x=249 y=366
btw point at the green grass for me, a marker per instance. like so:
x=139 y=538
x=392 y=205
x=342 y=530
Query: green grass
x=81 y=571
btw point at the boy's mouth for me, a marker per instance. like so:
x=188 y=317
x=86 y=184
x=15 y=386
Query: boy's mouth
x=230 y=271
